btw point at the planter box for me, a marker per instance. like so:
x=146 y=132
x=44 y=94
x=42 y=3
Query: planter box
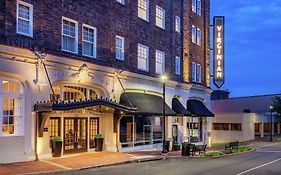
x=99 y=144
x=56 y=149
x=176 y=147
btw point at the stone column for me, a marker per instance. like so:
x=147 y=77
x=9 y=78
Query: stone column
x=261 y=125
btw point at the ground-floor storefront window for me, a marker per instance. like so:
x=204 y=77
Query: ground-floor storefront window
x=140 y=130
x=194 y=129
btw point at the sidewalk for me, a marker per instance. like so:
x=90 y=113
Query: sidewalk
x=98 y=159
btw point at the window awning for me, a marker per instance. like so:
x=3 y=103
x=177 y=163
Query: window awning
x=179 y=108
x=146 y=104
x=72 y=105
x=198 y=108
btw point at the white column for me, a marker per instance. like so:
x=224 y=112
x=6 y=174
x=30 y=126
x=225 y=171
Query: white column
x=262 y=127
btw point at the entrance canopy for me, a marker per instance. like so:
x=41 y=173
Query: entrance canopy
x=197 y=107
x=146 y=104
x=179 y=108
x=69 y=105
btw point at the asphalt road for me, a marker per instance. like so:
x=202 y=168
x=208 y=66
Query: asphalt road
x=264 y=161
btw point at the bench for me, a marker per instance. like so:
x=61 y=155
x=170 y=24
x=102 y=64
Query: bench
x=198 y=148
x=231 y=145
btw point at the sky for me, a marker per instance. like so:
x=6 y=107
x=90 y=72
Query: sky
x=252 y=45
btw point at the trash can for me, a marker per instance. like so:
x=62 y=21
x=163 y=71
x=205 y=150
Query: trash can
x=184 y=149
x=167 y=146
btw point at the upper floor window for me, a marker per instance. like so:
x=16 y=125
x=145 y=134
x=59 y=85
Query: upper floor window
x=160 y=17
x=143 y=57
x=196 y=35
x=11 y=99
x=198 y=73
x=143 y=9
x=24 y=18
x=69 y=35
x=89 y=41
x=119 y=48
x=178 y=24
x=196 y=6
x=193 y=76
x=177 y=65
x=160 y=62
x=121 y=1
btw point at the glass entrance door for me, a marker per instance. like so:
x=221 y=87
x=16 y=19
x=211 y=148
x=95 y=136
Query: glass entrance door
x=75 y=135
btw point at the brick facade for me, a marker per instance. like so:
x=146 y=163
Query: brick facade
x=112 y=18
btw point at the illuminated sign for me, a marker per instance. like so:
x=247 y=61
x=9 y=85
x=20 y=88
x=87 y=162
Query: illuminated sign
x=218 y=51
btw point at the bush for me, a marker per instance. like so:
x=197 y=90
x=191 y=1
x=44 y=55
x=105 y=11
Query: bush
x=56 y=139
x=277 y=140
x=214 y=154
x=243 y=149
x=98 y=136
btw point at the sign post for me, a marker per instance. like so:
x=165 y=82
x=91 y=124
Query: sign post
x=218 y=27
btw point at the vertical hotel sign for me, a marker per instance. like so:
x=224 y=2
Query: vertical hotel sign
x=218 y=27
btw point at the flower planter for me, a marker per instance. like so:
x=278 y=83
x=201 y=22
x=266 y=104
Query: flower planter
x=176 y=147
x=57 y=146
x=99 y=144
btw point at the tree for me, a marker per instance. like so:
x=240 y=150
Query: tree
x=277 y=105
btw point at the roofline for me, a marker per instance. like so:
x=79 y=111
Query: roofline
x=249 y=97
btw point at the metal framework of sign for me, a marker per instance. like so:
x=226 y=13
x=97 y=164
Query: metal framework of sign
x=218 y=26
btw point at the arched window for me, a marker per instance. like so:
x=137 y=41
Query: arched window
x=11 y=99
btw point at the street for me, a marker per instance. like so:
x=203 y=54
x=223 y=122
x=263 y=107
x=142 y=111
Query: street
x=263 y=161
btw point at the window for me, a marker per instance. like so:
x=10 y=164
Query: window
x=227 y=126
x=24 y=18
x=54 y=128
x=193 y=76
x=198 y=7
x=178 y=24
x=198 y=73
x=143 y=57
x=121 y=1
x=119 y=48
x=196 y=35
x=89 y=41
x=143 y=9
x=69 y=35
x=193 y=34
x=194 y=5
x=178 y=65
x=160 y=17
x=160 y=62
x=11 y=98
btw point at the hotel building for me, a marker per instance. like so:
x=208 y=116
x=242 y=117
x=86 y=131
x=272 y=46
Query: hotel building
x=77 y=68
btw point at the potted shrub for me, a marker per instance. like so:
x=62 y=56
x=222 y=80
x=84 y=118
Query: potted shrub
x=57 y=146
x=98 y=142
x=176 y=146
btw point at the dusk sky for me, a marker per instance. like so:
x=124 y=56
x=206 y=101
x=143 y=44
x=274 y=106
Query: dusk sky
x=253 y=45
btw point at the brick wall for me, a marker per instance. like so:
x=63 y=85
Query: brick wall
x=112 y=18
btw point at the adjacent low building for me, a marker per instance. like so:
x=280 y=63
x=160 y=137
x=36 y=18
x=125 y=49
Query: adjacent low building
x=243 y=118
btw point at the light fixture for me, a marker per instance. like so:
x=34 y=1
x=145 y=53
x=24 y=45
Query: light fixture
x=164 y=78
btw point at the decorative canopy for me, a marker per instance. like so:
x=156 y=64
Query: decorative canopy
x=146 y=104
x=179 y=108
x=198 y=108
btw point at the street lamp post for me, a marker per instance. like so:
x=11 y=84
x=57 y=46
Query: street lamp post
x=271 y=108
x=164 y=79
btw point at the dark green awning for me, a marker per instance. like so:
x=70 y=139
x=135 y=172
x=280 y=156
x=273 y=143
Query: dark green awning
x=146 y=104
x=197 y=107
x=179 y=108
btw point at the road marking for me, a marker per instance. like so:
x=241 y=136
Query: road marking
x=268 y=151
x=55 y=164
x=259 y=166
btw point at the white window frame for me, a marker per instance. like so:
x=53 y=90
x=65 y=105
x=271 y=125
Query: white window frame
x=178 y=24
x=193 y=75
x=157 y=63
x=199 y=7
x=177 y=65
x=20 y=96
x=147 y=58
x=122 y=48
x=121 y=2
x=30 y=16
x=199 y=73
x=146 y=10
x=194 y=34
x=94 y=43
x=198 y=36
x=162 y=20
x=193 y=4
x=76 y=35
